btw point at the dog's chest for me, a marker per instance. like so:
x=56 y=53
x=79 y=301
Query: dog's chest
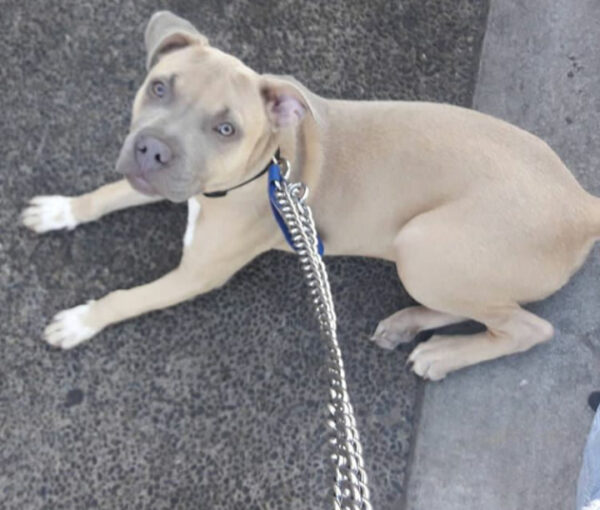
x=193 y=212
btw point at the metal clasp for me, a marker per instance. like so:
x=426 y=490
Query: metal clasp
x=284 y=166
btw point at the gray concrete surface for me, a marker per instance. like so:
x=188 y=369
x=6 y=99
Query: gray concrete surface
x=217 y=403
x=509 y=434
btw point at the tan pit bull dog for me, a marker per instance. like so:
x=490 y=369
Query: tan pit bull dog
x=479 y=215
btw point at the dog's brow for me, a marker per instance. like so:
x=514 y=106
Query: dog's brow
x=223 y=113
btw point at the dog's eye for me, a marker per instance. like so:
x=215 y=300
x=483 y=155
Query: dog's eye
x=225 y=129
x=159 y=89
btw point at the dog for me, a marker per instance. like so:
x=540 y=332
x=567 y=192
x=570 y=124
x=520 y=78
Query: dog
x=478 y=215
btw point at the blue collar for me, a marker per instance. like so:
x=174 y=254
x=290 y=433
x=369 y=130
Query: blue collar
x=275 y=176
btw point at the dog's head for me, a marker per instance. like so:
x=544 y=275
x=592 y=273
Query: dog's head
x=202 y=120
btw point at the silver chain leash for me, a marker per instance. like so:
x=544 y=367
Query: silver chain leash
x=350 y=488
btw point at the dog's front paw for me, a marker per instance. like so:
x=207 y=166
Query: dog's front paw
x=47 y=213
x=70 y=327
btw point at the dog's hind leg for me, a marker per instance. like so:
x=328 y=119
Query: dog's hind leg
x=515 y=330
x=55 y=212
x=401 y=327
x=456 y=264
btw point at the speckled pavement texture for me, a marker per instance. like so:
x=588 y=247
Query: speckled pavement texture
x=217 y=403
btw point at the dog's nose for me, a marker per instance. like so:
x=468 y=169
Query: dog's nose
x=151 y=153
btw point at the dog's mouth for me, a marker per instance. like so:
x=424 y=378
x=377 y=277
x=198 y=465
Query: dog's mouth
x=141 y=184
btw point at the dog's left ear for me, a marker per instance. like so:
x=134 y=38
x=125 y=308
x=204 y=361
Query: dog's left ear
x=285 y=101
x=167 y=32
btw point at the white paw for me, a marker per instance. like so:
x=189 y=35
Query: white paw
x=69 y=328
x=47 y=213
x=435 y=358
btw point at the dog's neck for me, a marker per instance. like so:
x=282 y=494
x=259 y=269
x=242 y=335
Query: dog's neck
x=303 y=149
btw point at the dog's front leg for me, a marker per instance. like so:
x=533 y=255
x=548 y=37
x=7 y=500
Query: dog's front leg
x=217 y=248
x=56 y=212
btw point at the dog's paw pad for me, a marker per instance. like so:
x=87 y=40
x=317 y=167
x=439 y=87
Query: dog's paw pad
x=46 y=213
x=69 y=328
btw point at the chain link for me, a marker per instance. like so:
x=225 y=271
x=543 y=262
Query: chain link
x=350 y=490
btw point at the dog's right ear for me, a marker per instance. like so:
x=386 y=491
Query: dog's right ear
x=167 y=32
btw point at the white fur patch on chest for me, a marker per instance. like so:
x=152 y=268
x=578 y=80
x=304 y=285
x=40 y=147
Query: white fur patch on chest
x=193 y=212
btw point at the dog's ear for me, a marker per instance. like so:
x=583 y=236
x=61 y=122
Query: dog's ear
x=286 y=101
x=167 y=32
